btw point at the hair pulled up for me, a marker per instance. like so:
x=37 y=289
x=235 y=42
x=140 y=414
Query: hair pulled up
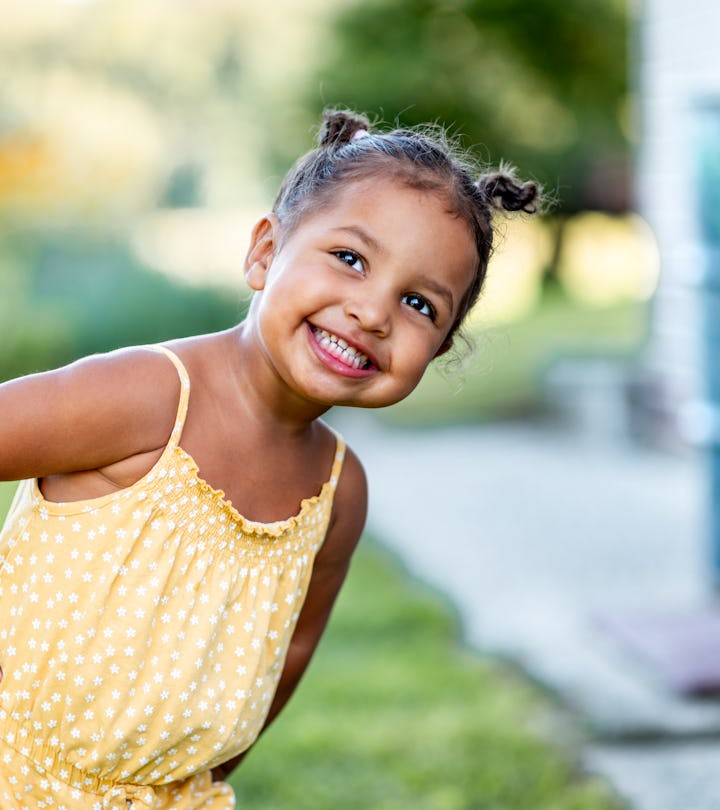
x=350 y=149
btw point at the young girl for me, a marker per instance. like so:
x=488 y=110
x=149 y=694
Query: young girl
x=157 y=604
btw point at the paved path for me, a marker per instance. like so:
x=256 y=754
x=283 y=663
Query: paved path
x=539 y=536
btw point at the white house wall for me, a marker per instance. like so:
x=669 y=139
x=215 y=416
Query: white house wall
x=678 y=64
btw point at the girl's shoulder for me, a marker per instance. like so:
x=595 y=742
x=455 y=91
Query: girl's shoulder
x=352 y=480
x=349 y=509
x=125 y=381
x=87 y=414
x=353 y=477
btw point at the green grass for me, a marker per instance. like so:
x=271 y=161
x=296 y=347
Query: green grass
x=503 y=378
x=7 y=490
x=395 y=714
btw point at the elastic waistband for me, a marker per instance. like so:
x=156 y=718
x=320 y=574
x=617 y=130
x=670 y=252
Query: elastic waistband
x=25 y=751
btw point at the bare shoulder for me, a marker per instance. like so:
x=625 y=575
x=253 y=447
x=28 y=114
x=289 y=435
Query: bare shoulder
x=120 y=385
x=352 y=485
x=136 y=370
x=349 y=510
x=90 y=413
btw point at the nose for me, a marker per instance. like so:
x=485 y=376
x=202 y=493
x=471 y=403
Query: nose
x=371 y=310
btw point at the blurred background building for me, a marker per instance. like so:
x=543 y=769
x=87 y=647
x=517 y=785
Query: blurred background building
x=678 y=72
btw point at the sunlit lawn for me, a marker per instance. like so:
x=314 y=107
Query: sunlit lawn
x=395 y=714
x=504 y=374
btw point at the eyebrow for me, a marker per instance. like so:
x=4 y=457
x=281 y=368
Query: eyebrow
x=363 y=235
x=432 y=284
x=441 y=290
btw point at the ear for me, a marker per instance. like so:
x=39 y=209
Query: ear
x=263 y=246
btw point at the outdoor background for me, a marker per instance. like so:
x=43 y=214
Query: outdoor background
x=139 y=141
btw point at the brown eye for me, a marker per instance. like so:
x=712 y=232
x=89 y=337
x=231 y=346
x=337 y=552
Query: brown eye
x=420 y=304
x=351 y=259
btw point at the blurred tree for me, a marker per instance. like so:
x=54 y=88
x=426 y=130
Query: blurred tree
x=542 y=84
x=114 y=107
x=184 y=187
x=107 y=111
x=64 y=295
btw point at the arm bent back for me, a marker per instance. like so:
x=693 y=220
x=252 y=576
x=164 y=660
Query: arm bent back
x=91 y=413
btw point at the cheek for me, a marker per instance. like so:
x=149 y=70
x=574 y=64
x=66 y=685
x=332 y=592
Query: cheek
x=419 y=354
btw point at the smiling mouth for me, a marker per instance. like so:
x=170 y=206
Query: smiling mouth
x=341 y=349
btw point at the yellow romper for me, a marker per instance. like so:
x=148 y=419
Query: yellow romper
x=142 y=636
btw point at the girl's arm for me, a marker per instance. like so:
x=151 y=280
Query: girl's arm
x=89 y=414
x=331 y=566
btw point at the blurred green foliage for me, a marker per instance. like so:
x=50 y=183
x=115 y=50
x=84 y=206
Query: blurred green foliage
x=108 y=110
x=541 y=84
x=65 y=295
x=503 y=378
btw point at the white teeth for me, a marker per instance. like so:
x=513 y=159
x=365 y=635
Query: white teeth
x=341 y=349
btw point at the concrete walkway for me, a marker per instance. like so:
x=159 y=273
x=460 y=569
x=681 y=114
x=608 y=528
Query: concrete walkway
x=538 y=536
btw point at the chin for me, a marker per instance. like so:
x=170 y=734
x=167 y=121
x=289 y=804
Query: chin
x=372 y=403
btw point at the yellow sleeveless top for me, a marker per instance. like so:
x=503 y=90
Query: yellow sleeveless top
x=142 y=635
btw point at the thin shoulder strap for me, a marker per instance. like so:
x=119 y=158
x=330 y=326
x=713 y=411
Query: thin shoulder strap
x=184 y=391
x=338 y=462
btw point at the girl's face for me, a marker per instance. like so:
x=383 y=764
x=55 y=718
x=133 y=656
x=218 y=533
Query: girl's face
x=354 y=303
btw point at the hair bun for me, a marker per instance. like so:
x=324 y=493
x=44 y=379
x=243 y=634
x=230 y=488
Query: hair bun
x=503 y=190
x=339 y=127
